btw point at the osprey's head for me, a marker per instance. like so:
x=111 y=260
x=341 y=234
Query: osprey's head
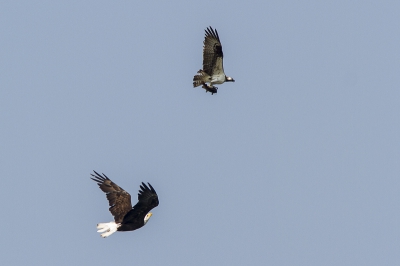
x=147 y=217
x=229 y=79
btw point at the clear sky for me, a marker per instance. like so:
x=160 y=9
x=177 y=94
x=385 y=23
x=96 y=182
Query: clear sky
x=296 y=163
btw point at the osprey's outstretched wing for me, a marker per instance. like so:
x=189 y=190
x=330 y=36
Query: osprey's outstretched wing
x=212 y=53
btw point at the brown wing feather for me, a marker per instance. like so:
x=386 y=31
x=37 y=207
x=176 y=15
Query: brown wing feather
x=118 y=199
x=211 y=51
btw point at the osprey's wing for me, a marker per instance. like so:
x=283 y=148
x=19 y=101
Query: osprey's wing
x=212 y=53
x=148 y=199
x=118 y=199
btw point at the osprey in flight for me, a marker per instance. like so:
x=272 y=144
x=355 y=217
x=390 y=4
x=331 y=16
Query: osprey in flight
x=126 y=218
x=213 y=69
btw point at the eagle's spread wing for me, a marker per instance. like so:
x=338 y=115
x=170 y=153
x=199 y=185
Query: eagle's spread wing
x=212 y=53
x=148 y=200
x=118 y=199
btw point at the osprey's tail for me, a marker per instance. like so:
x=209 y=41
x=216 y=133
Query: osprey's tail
x=107 y=228
x=200 y=78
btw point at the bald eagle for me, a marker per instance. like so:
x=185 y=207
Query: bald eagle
x=213 y=69
x=126 y=218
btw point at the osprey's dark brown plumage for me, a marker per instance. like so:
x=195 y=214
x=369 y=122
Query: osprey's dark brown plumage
x=121 y=206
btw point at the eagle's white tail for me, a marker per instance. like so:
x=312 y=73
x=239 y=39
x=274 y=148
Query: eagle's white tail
x=107 y=228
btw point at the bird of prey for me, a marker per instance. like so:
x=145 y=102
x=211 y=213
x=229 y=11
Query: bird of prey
x=126 y=217
x=213 y=69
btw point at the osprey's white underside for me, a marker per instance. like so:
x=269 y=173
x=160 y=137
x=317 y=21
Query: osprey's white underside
x=215 y=79
x=218 y=76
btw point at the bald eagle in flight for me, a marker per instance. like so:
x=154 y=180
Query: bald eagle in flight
x=213 y=69
x=126 y=218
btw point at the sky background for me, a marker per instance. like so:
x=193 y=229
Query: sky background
x=296 y=163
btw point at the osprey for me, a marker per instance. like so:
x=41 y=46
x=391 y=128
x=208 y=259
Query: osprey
x=213 y=69
x=126 y=218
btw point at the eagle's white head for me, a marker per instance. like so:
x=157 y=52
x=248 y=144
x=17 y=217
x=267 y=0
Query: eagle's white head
x=147 y=217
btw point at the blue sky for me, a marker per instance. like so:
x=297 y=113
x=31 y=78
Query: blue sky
x=296 y=163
